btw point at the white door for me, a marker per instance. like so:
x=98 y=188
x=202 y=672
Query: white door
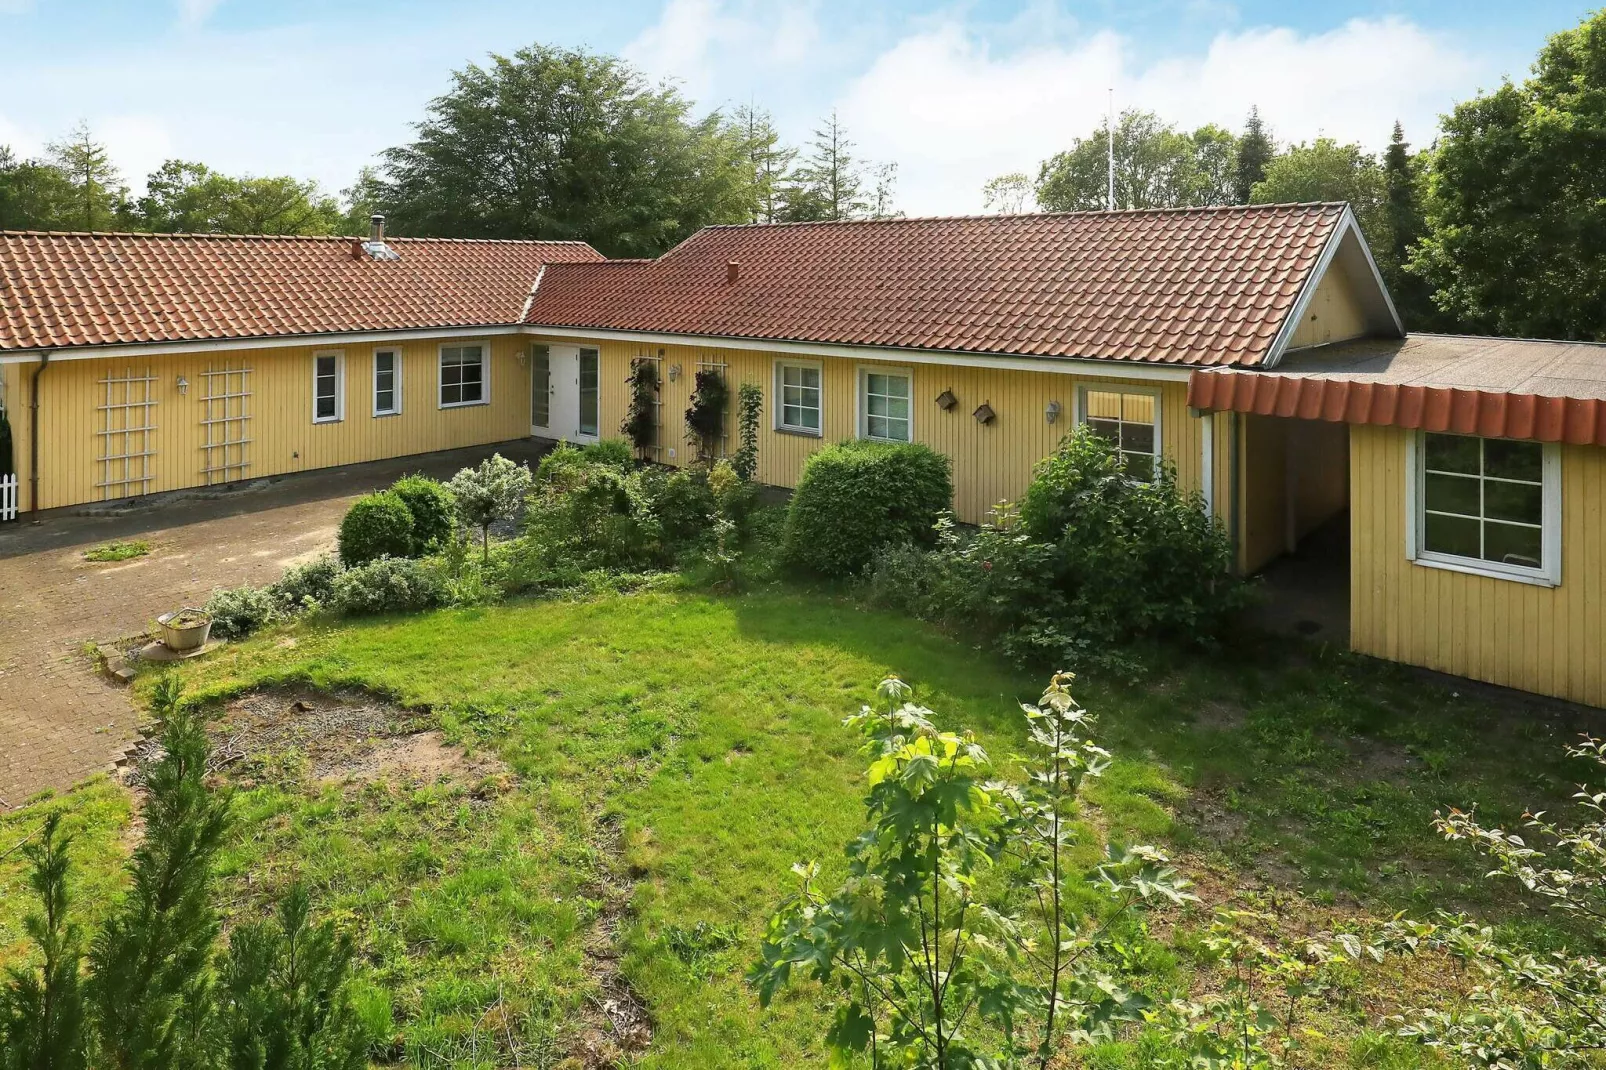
x=572 y=374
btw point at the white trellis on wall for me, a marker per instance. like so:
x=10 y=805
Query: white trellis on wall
x=127 y=434
x=655 y=452
x=226 y=423
x=710 y=364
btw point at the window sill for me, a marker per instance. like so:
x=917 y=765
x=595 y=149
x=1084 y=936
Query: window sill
x=382 y=415
x=1472 y=568
x=328 y=419
x=462 y=404
x=800 y=432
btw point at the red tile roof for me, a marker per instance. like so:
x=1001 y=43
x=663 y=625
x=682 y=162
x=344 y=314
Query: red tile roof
x=1207 y=286
x=62 y=289
x=1494 y=387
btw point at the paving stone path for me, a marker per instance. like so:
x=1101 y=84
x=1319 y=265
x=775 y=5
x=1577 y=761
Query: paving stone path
x=60 y=720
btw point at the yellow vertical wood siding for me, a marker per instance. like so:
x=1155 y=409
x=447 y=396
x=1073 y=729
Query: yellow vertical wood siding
x=992 y=463
x=283 y=436
x=1549 y=640
x=1333 y=315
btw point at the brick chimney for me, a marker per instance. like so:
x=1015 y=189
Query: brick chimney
x=733 y=272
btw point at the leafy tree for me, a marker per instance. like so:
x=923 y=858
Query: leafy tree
x=1403 y=182
x=560 y=143
x=829 y=183
x=930 y=970
x=362 y=199
x=749 y=409
x=1256 y=150
x=98 y=195
x=1007 y=194
x=493 y=491
x=150 y=986
x=1324 y=170
x=881 y=193
x=1156 y=166
x=187 y=197
x=34 y=194
x=42 y=1010
x=1516 y=210
x=768 y=160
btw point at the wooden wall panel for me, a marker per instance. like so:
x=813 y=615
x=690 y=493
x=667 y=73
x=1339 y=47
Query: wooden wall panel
x=1549 y=640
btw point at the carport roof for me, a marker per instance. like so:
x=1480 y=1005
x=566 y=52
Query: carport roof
x=1495 y=387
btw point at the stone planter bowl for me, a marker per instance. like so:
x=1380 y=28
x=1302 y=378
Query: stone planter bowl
x=184 y=630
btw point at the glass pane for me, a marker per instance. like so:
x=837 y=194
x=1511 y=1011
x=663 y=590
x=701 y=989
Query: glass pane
x=1107 y=429
x=1452 y=453
x=811 y=418
x=451 y=394
x=876 y=426
x=1451 y=535
x=1452 y=494
x=811 y=378
x=1513 y=501
x=541 y=387
x=1138 y=408
x=1140 y=466
x=385 y=400
x=1512 y=545
x=1103 y=404
x=898 y=430
x=588 y=391
x=1137 y=437
x=1513 y=460
x=326 y=406
x=898 y=408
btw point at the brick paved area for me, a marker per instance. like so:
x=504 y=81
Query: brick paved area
x=60 y=721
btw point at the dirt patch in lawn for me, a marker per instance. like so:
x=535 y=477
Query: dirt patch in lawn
x=615 y=1026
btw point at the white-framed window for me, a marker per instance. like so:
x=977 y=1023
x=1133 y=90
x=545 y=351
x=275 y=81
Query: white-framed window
x=797 y=397
x=590 y=373
x=1490 y=506
x=387 y=382
x=328 y=387
x=465 y=376
x=1129 y=419
x=886 y=404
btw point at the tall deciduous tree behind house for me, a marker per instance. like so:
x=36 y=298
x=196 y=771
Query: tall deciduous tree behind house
x=1324 y=170
x=188 y=197
x=1156 y=166
x=98 y=194
x=1256 y=150
x=1517 y=199
x=560 y=143
x=34 y=194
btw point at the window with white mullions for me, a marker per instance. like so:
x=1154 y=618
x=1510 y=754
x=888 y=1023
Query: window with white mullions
x=798 y=390
x=387 y=382
x=328 y=388
x=462 y=376
x=590 y=391
x=885 y=405
x=1129 y=421
x=1484 y=499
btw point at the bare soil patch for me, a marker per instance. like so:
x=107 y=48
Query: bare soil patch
x=615 y=1026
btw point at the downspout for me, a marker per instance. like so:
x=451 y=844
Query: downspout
x=33 y=434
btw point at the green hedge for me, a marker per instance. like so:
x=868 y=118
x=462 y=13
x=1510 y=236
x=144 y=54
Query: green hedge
x=855 y=498
x=378 y=525
x=432 y=508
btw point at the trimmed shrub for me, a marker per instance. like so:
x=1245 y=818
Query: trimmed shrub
x=613 y=452
x=598 y=518
x=307 y=585
x=239 y=611
x=857 y=497
x=432 y=508
x=683 y=503
x=378 y=525
x=388 y=585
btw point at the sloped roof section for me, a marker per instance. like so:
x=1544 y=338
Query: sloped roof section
x=1494 y=387
x=62 y=289
x=1205 y=286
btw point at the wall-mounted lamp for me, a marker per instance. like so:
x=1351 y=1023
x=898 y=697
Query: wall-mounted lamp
x=984 y=414
x=674 y=372
x=1052 y=413
x=183 y=385
x=946 y=400
x=524 y=358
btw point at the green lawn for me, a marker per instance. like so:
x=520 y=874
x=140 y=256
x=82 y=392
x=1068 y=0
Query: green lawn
x=669 y=755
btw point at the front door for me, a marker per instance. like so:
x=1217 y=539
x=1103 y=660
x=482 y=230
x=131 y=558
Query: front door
x=570 y=376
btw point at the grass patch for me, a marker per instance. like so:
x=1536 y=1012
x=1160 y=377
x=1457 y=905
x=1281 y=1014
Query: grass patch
x=669 y=755
x=121 y=550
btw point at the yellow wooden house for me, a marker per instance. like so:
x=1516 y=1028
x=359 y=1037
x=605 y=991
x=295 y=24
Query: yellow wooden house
x=1255 y=349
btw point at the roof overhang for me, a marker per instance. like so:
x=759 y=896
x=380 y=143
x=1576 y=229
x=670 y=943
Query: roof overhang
x=229 y=345
x=1352 y=400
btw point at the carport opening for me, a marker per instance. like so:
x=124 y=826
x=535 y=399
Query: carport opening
x=1296 y=523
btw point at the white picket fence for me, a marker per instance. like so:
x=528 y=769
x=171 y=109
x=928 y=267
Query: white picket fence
x=8 y=498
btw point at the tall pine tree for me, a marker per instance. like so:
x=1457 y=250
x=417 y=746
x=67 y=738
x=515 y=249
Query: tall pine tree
x=1255 y=150
x=1407 y=223
x=42 y=1009
x=829 y=184
x=768 y=159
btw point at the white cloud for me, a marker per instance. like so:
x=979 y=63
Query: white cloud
x=15 y=7
x=954 y=112
x=703 y=43
x=192 y=13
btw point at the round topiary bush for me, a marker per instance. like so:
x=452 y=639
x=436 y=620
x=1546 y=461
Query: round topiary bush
x=857 y=497
x=376 y=526
x=432 y=508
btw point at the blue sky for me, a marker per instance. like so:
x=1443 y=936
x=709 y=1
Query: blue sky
x=954 y=92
